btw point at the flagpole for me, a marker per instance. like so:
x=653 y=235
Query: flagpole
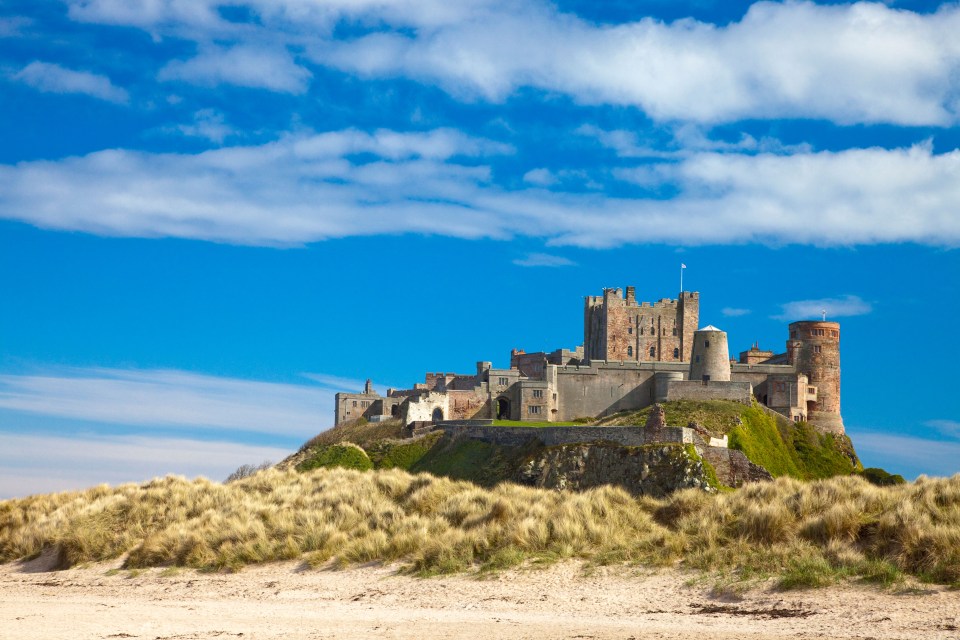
x=682 y=267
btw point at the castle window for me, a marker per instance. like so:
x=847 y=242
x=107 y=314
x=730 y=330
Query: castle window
x=674 y=331
x=538 y=393
x=630 y=330
x=697 y=359
x=641 y=330
x=630 y=351
x=816 y=348
x=653 y=351
x=706 y=344
x=502 y=382
x=354 y=403
x=676 y=353
x=534 y=409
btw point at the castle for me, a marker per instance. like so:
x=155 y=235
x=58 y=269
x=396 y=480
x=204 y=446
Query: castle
x=634 y=354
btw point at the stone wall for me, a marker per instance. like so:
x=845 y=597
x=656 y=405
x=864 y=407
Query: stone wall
x=694 y=390
x=556 y=436
x=733 y=468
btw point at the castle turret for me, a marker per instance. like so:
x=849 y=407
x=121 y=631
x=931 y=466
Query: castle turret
x=711 y=356
x=814 y=349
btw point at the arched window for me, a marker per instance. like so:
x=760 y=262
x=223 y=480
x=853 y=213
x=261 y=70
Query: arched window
x=676 y=353
x=653 y=351
x=630 y=351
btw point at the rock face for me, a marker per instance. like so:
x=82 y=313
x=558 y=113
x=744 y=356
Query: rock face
x=652 y=470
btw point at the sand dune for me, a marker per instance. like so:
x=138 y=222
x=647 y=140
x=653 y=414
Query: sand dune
x=282 y=601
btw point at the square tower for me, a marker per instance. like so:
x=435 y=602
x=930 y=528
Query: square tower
x=620 y=328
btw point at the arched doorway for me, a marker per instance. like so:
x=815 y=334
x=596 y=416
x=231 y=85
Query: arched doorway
x=437 y=415
x=395 y=411
x=503 y=409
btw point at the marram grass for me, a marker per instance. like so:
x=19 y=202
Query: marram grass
x=803 y=533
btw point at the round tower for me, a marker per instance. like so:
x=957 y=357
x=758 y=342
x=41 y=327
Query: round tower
x=710 y=360
x=814 y=349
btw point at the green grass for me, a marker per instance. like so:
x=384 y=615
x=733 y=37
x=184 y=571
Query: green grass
x=761 y=440
x=462 y=459
x=716 y=416
x=401 y=454
x=345 y=455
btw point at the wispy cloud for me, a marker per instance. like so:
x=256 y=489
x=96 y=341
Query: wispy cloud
x=907 y=455
x=12 y=26
x=52 y=78
x=543 y=260
x=949 y=428
x=834 y=308
x=246 y=66
x=210 y=124
x=170 y=398
x=734 y=312
x=32 y=464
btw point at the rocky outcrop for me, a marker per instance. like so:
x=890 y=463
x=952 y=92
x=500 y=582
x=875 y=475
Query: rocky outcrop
x=652 y=470
x=733 y=468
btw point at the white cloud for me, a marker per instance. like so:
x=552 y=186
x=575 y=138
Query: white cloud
x=733 y=312
x=849 y=63
x=31 y=464
x=543 y=260
x=242 y=65
x=52 y=78
x=540 y=177
x=171 y=398
x=950 y=428
x=907 y=455
x=210 y=124
x=834 y=308
x=305 y=188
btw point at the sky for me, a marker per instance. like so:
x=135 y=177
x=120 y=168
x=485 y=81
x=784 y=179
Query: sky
x=215 y=214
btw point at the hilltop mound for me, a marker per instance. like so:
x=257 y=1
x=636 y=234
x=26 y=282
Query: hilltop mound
x=768 y=440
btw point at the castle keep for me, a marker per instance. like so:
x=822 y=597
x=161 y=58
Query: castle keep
x=634 y=354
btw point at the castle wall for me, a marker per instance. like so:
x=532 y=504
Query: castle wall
x=607 y=387
x=353 y=406
x=696 y=390
x=466 y=405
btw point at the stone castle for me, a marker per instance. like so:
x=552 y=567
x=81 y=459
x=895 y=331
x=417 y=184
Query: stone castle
x=634 y=354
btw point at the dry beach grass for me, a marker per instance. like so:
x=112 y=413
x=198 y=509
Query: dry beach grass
x=799 y=533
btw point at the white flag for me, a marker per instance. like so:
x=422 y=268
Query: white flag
x=683 y=266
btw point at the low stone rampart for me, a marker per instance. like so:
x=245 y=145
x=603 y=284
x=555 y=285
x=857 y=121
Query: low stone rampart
x=555 y=436
x=721 y=390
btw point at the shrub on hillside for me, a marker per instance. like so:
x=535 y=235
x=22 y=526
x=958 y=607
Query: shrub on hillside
x=881 y=478
x=346 y=455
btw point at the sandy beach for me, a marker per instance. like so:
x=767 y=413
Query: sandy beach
x=285 y=601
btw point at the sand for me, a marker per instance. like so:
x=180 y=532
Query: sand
x=285 y=601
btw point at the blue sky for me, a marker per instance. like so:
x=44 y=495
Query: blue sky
x=216 y=214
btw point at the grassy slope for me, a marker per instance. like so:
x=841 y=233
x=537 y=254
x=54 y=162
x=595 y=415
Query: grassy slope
x=805 y=533
x=783 y=447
